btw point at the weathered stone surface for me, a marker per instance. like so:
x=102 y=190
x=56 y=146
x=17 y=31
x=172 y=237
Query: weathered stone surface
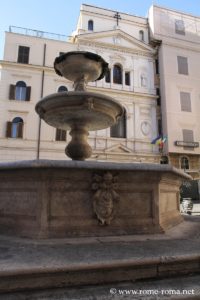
x=34 y=264
x=56 y=199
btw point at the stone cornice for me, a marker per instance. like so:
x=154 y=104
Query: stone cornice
x=12 y=64
x=180 y=43
x=115 y=48
x=121 y=92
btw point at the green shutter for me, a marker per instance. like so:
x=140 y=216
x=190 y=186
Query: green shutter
x=8 y=129
x=12 y=92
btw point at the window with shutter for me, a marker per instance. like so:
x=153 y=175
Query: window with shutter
x=185 y=101
x=20 y=91
x=182 y=65
x=17 y=128
x=23 y=55
x=12 y=92
x=60 y=134
x=119 y=129
x=180 y=27
x=188 y=136
x=8 y=129
x=28 y=93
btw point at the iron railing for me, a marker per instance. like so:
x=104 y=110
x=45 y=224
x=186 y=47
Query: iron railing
x=38 y=33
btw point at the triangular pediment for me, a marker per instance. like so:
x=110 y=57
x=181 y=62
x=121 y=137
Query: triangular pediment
x=116 y=38
x=119 y=148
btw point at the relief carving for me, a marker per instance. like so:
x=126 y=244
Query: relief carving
x=105 y=197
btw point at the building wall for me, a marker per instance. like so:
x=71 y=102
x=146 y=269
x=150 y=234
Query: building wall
x=183 y=44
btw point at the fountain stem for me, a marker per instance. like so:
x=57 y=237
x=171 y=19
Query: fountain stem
x=78 y=148
x=80 y=84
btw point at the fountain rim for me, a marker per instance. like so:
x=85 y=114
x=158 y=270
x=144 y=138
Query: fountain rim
x=95 y=165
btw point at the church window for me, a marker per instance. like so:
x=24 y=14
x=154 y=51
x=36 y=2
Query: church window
x=117 y=74
x=62 y=88
x=90 y=25
x=141 y=35
x=119 y=129
x=127 y=78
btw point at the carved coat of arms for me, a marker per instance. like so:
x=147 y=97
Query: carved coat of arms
x=105 y=197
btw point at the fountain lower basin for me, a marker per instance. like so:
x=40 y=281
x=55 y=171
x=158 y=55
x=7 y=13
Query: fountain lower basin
x=57 y=199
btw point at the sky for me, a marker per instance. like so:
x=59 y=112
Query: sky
x=61 y=16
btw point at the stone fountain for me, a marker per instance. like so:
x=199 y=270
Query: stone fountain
x=74 y=198
x=80 y=111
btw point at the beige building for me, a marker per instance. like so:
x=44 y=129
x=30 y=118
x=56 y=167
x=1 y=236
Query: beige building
x=27 y=75
x=177 y=37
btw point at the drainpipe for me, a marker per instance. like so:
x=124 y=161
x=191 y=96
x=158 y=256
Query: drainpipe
x=41 y=95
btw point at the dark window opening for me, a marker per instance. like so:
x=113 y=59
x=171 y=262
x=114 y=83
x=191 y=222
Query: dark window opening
x=164 y=160
x=141 y=35
x=60 y=134
x=157 y=66
x=90 y=25
x=159 y=126
x=119 y=129
x=185 y=163
x=62 y=88
x=23 y=55
x=158 y=94
x=117 y=74
x=127 y=78
x=107 y=77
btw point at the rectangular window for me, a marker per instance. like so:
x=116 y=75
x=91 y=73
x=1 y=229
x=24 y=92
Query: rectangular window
x=158 y=94
x=179 y=27
x=185 y=101
x=60 y=135
x=127 y=78
x=23 y=55
x=188 y=136
x=182 y=65
x=159 y=126
x=157 y=66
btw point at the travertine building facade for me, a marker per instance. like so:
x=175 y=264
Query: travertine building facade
x=153 y=72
